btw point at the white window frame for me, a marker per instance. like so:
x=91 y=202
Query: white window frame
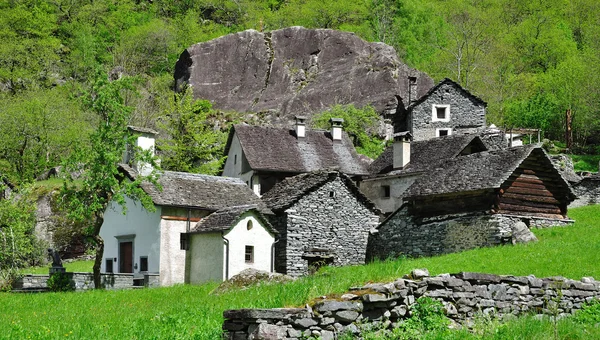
x=437 y=131
x=434 y=117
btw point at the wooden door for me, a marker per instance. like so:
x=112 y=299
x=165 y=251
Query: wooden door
x=126 y=257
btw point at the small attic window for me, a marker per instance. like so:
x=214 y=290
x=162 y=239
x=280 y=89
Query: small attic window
x=332 y=194
x=443 y=132
x=440 y=113
x=385 y=191
x=249 y=225
x=234 y=159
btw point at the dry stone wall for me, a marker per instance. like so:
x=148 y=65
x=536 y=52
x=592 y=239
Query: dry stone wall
x=85 y=281
x=330 y=218
x=463 y=295
x=401 y=234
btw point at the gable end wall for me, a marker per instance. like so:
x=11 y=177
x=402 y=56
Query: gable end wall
x=340 y=224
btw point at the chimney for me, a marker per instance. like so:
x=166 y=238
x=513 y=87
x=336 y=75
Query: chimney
x=300 y=126
x=145 y=141
x=336 y=128
x=412 y=90
x=401 y=149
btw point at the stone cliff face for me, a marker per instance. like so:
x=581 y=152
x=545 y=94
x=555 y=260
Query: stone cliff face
x=297 y=71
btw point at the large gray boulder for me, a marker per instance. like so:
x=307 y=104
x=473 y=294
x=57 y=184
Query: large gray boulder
x=296 y=70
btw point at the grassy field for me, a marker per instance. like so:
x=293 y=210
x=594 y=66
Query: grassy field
x=192 y=312
x=76 y=266
x=586 y=162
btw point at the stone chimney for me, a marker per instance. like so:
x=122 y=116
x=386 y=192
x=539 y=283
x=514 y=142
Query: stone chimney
x=300 y=126
x=146 y=141
x=401 y=149
x=336 y=128
x=412 y=90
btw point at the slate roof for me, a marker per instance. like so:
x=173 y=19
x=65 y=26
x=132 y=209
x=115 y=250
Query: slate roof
x=477 y=171
x=224 y=219
x=287 y=192
x=466 y=93
x=181 y=189
x=278 y=149
x=426 y=153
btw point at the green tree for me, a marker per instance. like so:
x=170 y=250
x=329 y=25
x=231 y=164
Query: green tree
x=195 y=143
x=361 y=124
x=101 y=183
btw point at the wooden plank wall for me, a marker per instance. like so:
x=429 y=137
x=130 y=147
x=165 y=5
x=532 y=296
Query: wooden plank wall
x=533 y=189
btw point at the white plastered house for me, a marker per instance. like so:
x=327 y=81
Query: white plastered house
x=143 y=242
x=229 y=241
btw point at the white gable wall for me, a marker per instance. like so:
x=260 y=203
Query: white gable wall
x=138 y=222
x=239 y=237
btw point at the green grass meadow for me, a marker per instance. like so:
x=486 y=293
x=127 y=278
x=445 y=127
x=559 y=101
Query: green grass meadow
x=192 y=312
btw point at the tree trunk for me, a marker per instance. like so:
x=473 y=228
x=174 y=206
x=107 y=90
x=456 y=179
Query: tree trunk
x=99 y=249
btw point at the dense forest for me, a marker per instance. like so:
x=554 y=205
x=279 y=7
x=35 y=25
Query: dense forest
x=530 y=60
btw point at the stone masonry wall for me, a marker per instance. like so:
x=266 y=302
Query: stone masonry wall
x=83 y=281
x=329 y=218
x=402 y=234
x=463 y=295
x=465 y=116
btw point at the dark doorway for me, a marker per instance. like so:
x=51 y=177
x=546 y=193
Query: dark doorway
x=126 y=257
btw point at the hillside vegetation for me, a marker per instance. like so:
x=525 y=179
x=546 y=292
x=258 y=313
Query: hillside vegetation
x=530 y=60
x=192 y=312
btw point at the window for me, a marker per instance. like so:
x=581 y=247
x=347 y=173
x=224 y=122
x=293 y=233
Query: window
x=234 y=159
x=109 y=265
x=440 y=113
x=385 y=191
x=249 y=254
x=443 y=132
x=332 y=194
x=249 y=225
x=143 y=263
x=184 y=241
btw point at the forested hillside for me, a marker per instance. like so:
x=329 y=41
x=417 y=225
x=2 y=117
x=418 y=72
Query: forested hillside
x=530 y=60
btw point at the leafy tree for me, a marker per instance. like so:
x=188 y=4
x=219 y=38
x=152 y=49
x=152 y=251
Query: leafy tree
x=194 y=143
x=101 y=183
x=361 y=124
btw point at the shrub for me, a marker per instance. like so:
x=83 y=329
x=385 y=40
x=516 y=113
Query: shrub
x=61 y=282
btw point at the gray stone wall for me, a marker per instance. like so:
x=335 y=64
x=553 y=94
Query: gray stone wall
x=401 y=234
x=463 y=295
x=329 y=218
x=372 y=188
x=587 y=191
x=465 y=116
x=82 y=281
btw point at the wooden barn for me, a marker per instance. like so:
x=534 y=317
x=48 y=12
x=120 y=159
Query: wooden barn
x=516 y=181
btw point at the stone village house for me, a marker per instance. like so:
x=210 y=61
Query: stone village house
x=263 y=156
x=322 y=218
x=474 y=200
x=164 y=243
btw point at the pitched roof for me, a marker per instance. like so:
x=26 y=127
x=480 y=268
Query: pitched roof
x=425 y=153
x=181 y=189
x=467 y=94
x=477 y=171
x=287 y=192
x=278 y=149
x=226 y=218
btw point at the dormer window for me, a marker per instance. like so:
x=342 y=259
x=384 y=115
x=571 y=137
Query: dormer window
x=440 y=113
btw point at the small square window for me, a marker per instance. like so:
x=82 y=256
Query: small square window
x=443 y=132
x=184 y=241
x=109 y=265
x=385 y=191
x=249 y=254
x=143 y=263
x=440 y=113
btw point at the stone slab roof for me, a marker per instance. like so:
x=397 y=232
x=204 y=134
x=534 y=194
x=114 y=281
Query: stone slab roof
x=477 y=171
x=181 y=189
x=278 y=149
x=287 y=192
x=426 y=153
x=466 y=93
x=226 y=218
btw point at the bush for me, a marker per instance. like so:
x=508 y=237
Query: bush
x=60 y=282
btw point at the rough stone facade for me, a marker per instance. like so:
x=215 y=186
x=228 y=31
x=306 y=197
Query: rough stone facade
x=402 y=234
x=330 y=223
x=465 y=115
x=587 y=191
x=463 y=295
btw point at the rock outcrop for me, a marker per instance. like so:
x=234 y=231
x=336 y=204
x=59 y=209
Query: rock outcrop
x=296 y=70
